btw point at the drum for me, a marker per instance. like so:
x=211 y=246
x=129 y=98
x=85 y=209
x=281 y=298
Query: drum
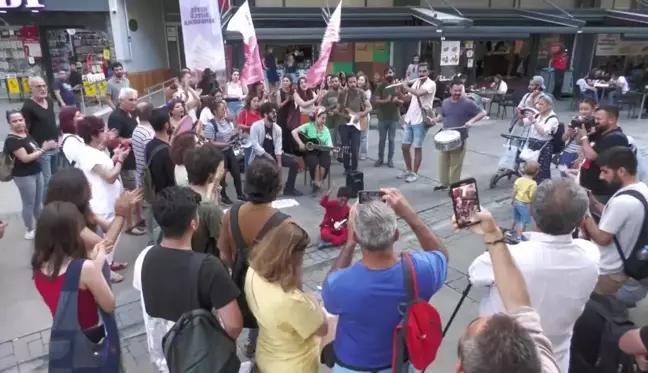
x=447 y=140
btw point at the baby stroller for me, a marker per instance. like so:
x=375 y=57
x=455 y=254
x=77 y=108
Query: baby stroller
x=509 y=163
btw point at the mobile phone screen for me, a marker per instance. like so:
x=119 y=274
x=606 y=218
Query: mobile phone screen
x=465 y=200
x=365 y=196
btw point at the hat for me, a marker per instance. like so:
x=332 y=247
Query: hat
x=319 y=111
x=537 y=80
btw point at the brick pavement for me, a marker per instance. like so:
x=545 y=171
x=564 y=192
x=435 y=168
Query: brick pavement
x=29 y=353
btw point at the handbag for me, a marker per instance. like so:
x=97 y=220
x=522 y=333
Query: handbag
x=508 y=159
x=428 y=114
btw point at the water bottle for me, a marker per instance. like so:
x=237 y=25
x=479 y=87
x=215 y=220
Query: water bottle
x=643 y=254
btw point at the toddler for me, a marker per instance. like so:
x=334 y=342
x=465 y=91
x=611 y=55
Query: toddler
x=523 y=191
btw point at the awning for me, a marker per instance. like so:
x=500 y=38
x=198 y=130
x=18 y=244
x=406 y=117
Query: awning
x=639 y=18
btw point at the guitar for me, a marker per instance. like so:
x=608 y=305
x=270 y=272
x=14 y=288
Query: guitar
x=360 y=124
x=338 y=224
x=313 y=144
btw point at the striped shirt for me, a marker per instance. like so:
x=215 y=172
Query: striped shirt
x=142 y=134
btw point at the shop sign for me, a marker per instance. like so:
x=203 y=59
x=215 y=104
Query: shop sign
x=15 y=4
x=612 y=45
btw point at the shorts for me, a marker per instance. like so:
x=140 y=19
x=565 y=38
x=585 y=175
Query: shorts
x=521 y=213
x=414 y=135
x=129 y=179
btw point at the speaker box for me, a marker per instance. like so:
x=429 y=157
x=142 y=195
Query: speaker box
x=355 y=182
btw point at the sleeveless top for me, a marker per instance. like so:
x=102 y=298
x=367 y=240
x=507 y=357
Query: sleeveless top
x=235 y=89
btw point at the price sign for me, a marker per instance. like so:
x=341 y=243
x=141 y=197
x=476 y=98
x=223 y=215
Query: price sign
x=102 y=88
x=13 y=86
x=25 y=84
x=89 y=89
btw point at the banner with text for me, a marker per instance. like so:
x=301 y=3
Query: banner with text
x=317 y=72
x=202 y=35
x=241 y=22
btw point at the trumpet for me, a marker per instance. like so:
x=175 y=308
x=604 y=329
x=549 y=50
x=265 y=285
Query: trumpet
x=399 y=83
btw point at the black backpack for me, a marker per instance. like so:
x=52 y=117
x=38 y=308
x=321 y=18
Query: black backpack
x=241 y=263
x=198 y=343
x=148 y=186
x=63 y=161
x=556 y=139
x=633 y=265
x=595 y=342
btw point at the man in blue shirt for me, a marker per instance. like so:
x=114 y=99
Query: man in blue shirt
x=367 y=295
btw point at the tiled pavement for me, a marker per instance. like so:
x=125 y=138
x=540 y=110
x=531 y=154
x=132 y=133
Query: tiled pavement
x=28 y=353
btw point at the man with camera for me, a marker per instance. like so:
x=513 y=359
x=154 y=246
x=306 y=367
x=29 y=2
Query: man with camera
x=605 y=135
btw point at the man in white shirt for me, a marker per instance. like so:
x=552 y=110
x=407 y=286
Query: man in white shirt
x=587 y=90
x=619 y=83
x=421 y=93
x=560 y=271
x=622 y=219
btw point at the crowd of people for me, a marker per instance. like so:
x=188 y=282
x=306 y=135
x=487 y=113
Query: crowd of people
x=162 y=172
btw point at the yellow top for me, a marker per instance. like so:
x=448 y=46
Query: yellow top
x=524 y=189
x=287 y=324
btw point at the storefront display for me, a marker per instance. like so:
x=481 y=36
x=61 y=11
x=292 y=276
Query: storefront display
x=20 y=57
x=613 y=53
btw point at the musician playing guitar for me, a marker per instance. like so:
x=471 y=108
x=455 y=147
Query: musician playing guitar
x=334 y=225
x=314 y=141
x=353 y=108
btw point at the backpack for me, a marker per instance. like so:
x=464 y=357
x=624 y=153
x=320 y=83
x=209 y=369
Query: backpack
x=595 y=342
x=148 y=186
x=198 y=343
x=556 y=137
x=418 y=337
x=633 y=265
x=63 y=161
x=241 y=263
x=7 y=161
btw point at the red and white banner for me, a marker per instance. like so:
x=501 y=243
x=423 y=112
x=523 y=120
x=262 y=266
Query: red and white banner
x=241 y=22
x=317 y=72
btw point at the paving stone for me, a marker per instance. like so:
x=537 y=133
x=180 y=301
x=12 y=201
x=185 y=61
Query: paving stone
x=6 y=349
x=7 y=362
x=45 y=336
x=21 y=351
x=36 y=348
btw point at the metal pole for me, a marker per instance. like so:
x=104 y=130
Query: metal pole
x=83 y=103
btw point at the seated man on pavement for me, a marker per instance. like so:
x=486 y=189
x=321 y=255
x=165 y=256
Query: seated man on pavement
x=505 y=342
x=560 y=271
x=366 y=295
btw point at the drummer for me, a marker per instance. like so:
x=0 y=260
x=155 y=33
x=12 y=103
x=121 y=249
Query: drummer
x=459 y=113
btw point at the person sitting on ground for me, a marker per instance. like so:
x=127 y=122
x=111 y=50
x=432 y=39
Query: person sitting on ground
x=513 y=341
x=290 y=321
x=523 y=191
x=205 y=169
x=561 y=272
x=165 y=274
x=367 y=295
x=333 y=228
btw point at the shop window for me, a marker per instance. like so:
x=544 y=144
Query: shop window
x=380 y=3
x=20 y=57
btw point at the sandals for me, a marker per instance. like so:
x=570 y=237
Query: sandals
x=115 y=278
x=118 y=266
x=136 y=231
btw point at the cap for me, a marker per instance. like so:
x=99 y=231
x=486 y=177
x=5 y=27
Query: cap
x=538 y=80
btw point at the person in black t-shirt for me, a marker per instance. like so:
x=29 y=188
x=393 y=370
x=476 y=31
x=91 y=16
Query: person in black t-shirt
x=38 y=112
x=607 y=135
x=167 y=284
x=27 y=169
x=159 y=164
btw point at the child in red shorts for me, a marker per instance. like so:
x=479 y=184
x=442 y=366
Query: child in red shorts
x=333 y=229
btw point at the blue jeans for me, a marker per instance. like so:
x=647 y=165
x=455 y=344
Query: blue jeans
x=151 y=224
x=49 y=166
x=567 y=158
x=31 y=193
x=414 y=135
x=364 y=143
x=589 y=94
x=632 y=292
x=521 y=213
x=386 y=132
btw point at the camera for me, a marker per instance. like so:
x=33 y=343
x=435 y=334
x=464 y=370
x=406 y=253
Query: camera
x=577 y=122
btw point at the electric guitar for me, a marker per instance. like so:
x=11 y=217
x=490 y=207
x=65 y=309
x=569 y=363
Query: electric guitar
x=360 y=124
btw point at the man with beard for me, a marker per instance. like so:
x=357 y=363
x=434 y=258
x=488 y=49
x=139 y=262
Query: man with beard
x=622 y=220
x=606 y=135
x=115 y=84
x=330 y=102
x=268 y=143
x=353 y=107
x=388 y=101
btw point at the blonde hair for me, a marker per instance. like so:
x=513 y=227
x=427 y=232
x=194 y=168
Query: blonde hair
x=531 y=168
x=277 y=257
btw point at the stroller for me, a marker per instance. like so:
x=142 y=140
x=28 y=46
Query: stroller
x=514 y=152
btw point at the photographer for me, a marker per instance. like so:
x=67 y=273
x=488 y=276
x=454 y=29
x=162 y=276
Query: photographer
x=570 y=156
x=561 y=272
x=607 y=134
x=487 y=345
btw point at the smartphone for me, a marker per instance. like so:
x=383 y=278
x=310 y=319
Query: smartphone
x=365 y=196
x=465 y=202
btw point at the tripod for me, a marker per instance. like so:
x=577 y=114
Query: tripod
x=464 y=294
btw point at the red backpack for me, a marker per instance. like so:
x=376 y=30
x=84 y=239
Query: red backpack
x=418 y=337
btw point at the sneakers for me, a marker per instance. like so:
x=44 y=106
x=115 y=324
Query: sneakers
x=378 y=163
x=29 y=235
x=292 y=193
x=411 y=178
x=404 y=175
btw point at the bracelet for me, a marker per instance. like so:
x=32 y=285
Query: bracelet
x=501 y=240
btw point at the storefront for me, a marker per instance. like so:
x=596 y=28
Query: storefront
x=46 y=36
x=613 y=53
